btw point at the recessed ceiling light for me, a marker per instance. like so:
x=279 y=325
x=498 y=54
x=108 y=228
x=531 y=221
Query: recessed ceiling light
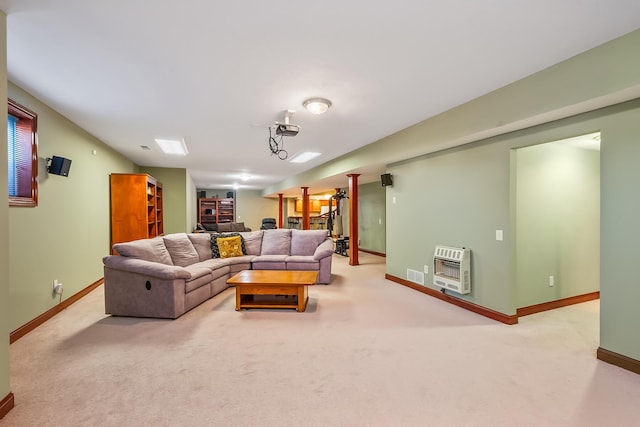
x=304 y=157
x=245 y=177
x=317 y=105
x=172 y=146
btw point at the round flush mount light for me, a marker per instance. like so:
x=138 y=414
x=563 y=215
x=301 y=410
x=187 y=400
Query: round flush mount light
x=317 y=105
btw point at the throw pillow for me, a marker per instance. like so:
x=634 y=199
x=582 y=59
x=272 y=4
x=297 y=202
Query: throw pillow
x=230 y=246
x=215 y=251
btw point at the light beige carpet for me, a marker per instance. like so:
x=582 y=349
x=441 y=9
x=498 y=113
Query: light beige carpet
x=367 y=352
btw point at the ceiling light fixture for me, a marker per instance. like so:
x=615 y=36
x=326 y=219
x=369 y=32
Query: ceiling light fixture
x=172 y=146
x=304 y=157
x=317 y=105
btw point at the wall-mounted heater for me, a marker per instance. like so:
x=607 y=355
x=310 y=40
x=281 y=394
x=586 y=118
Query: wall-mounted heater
x=451 y=269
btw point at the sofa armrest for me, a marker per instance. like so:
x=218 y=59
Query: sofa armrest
x=147 y=268
x=323 y=250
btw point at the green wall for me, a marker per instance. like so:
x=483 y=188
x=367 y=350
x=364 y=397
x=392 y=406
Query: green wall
x=5 y=319
x=620 y=234
x=454 y=198
x=372 y=217
x=192 y=204
x=251 y=207
x=557 y=222
x=67 y=234
x=176 y=200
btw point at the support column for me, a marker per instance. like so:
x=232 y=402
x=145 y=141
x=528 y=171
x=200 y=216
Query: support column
x=306 y=222
x=353 y=218
x=280 y=210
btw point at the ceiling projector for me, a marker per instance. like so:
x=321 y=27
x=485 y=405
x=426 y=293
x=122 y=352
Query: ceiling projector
x=286 y=129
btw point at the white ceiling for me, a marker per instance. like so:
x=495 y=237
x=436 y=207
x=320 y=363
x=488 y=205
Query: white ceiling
x=219 y=73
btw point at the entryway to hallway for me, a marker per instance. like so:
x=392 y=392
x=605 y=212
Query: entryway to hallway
x=557 y=223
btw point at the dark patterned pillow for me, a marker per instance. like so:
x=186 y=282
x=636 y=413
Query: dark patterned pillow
x=215 y=251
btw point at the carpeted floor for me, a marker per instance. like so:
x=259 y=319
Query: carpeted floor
x=367 y=352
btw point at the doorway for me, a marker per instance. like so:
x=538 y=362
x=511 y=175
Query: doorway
x=557 y=221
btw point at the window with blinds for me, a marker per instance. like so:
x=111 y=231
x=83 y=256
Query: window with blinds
x=22 y=155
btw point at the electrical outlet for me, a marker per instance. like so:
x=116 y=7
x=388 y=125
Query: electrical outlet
x=550 y=280
x=57 y=287
x=426 y=269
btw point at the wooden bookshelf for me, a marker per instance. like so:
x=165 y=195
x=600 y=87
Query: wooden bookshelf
x=136 y=207
x=216 y=211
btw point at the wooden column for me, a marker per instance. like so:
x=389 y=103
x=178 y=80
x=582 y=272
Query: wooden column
x=280 y=210
x=306 y=222
x=353 y=218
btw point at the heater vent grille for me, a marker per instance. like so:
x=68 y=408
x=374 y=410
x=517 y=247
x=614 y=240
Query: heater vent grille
x=415 y=276
x=452 y=269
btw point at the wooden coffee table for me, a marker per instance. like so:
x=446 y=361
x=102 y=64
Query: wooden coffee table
x=272 y=288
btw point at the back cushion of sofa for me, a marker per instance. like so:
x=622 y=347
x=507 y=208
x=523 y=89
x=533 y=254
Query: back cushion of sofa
x=224 y=227
x=276 y=242
x=252 y=241
x=202 y=243
x=237 y=226
x=181 y=249
x=152 y=250
x=305 y=242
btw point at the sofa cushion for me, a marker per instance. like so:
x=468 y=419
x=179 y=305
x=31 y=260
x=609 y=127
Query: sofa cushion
x=202 y=244
x=200 y=276
x=252 y=242
x=224 y=227
x=269 y=262
x=181 y=249
x=215 y=251
x=302 y=262
x=209 y=226
x=237 y=226
x=230 y=247
x=305 y=242
x=152 y=250
x=276 y=242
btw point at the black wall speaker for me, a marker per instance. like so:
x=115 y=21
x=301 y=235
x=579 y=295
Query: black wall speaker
x=59 y=166
x=202 y=194
x=386 y=179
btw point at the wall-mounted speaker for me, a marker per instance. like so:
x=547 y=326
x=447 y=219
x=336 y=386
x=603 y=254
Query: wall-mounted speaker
x=202 y=194
x=59 y=166
x=386 y=179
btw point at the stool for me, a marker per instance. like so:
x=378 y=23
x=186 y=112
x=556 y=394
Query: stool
x=342 y=246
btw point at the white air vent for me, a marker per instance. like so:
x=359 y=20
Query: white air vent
x=415 y=276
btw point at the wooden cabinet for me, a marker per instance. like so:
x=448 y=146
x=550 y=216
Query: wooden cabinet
x=215 y=211
x=136 y=207
x=315 y=205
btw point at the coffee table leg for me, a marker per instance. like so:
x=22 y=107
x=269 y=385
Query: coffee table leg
x=238 y=295
x=302 y=298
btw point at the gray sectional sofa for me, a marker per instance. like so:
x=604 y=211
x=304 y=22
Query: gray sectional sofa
x=169 y=275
